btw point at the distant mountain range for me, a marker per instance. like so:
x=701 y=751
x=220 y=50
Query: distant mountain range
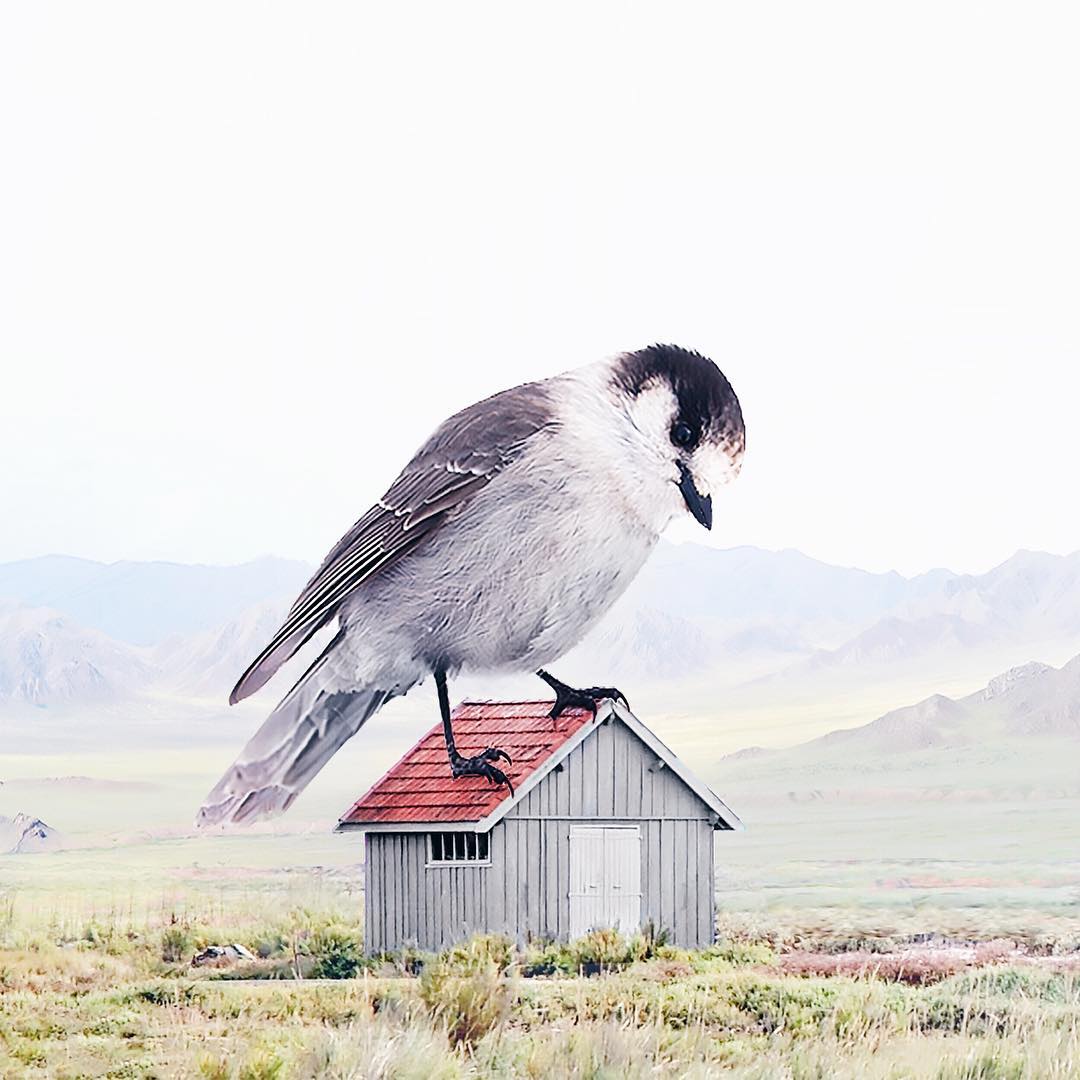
x=1031 y=597
x=716 y=649
x=1031 y=700
x=748 y=584
x=1019 y=732
x=75 y=632
x=143 y=603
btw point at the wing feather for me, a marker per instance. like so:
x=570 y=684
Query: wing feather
x=463 y=456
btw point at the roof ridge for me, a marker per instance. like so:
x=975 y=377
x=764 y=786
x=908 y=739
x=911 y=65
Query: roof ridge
x=504 y=701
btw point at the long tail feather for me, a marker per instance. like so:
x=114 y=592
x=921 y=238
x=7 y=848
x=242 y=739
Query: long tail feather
x=295 y=741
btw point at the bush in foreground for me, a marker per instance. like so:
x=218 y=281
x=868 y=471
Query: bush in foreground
x=470 y=989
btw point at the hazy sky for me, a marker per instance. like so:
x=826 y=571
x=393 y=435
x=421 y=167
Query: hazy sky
x=251 y=254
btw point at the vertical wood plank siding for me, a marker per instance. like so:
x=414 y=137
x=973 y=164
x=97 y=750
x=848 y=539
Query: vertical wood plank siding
x=611 y=777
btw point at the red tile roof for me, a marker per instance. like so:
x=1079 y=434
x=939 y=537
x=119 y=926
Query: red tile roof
x=420 y=786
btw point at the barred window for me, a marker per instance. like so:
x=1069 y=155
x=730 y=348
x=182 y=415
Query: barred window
x=458 y=847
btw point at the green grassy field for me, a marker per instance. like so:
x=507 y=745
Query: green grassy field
x=796 y=994
x=893 y=923
x=834 y=958
x=823 y=968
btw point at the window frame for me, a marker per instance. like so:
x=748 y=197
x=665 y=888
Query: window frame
x=482 y=841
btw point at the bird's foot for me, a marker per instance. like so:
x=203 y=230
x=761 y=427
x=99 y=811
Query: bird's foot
x=482 y=765
x=566 y=697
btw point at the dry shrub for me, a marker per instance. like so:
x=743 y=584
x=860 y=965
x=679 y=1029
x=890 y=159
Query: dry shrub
x=467 y=1006
x=984 y=1064
x=214 y=1068
x=337 y=951
x=177 y=941
x=603 y=1050
x=666 y=970
x=995 y=952
x=262 y=1066
x=597 y=952
x=603 y=950
x=917 y=967
x=470 y=989
x=853 y=929
x=381 y=1047
x=53 y=970
x=477 y=954
x=740 y=953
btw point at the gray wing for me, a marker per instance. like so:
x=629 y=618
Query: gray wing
x=463 y=456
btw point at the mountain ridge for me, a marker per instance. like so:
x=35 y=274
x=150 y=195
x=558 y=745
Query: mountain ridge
x=730 y=617
x=142 y=603
x=1014 y=720
x=23 y=834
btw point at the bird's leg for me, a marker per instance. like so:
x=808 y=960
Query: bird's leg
x=566 y=697
x=481 y=764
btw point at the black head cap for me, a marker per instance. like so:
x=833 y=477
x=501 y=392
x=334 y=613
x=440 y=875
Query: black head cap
x=707 y=403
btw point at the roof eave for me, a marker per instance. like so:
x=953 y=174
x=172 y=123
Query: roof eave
x=408 y=826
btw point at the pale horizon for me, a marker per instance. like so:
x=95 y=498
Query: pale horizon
x=237 y=297
x=314 y=561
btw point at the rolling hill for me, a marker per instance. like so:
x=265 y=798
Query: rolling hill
x=1019 y=732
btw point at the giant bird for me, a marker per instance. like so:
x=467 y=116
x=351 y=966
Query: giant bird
x=505 y=538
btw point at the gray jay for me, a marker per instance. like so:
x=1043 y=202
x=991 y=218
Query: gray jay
x=507 y=536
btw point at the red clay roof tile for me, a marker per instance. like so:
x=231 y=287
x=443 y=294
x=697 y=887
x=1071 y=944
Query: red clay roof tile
x=420 y=786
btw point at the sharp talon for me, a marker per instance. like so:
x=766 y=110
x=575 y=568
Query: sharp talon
x=566 y=697
x=609 y=692
x=498 y=777
x=480 y=765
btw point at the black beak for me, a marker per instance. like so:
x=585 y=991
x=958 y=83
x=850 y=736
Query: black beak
x=698 y=505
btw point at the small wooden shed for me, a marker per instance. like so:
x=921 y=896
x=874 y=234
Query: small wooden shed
x=607 y=827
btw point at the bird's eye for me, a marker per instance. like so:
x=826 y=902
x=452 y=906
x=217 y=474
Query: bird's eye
x=682 y=434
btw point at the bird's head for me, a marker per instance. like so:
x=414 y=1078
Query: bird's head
x=685 y=419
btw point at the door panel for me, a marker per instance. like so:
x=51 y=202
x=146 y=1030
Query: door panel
x=622 y=862
x=586 y=878
x=605 y=878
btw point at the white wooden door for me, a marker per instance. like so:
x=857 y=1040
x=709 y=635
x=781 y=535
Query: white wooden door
x=605 y=878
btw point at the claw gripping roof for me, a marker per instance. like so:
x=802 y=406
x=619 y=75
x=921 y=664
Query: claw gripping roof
x=420 y=787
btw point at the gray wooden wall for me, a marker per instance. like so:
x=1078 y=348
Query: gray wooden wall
x=406 y=903
x=611 y=778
